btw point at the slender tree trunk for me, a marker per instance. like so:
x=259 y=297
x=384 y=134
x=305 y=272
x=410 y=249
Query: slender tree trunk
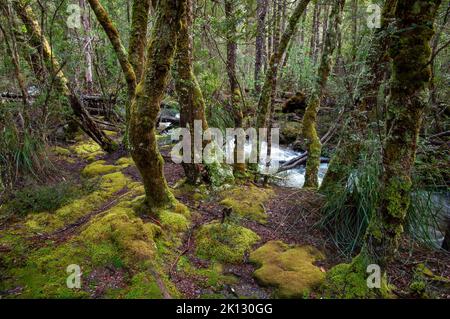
x=146 y=105
x=261 y=12
x=190 y=96
x=355 y=132
x=310 y=118
x=11 y=46
x=354 y=29
x=87 y=47
x=119 y=49
x=272 y=71
x=235 y=95
x=38 y=40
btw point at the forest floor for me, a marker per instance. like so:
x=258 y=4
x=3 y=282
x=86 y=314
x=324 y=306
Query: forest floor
x=124 y=254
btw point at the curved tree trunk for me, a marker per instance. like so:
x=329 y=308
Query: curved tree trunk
x=146 y=105
x=190 y=97
x=38 y=40
x=310 y=118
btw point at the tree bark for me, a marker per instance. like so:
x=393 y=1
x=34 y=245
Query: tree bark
x=310 y=118
x=138 y=36
x=261 y=12
x=190 y=97
x=146 y=105
x=410 y=52
x=355 y=132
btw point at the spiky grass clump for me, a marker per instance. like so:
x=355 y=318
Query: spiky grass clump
x=348 y=209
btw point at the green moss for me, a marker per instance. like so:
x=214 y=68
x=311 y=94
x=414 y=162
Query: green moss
x=98 y=168
x=173 y=221
x=224 y=242
x=248 y=201
x=143 y=286
x=87 y=149
x=58 y=150
x=47 y=222
x=44 y=273
x=349 y=281
x=125 y=162
x=121 y=231
x=289 y=269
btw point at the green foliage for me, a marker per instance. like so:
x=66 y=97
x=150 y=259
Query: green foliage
x=36 y=199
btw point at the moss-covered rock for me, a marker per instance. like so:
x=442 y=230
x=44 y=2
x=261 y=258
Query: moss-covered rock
x=288 y=268
x=98 y=168
x=225 y=242
x=248 y=201
x=349 y=281
x=173 y=221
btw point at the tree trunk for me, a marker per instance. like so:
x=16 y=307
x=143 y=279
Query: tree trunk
x=119 y=49
x=38 y=40
x=411 y=72
x=272 y=71
x=190 y=97
x=355 y=132
x=146 y=105
x=261 y=12
x=87 y=47
x=310 y=118
x=235 y=95
x=138 y=36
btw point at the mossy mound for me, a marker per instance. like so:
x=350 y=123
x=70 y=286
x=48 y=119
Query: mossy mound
x=289 y=269
x=87 y=149
x=108 y=186
x=119 y=231
x=349 y=281
x=60 y=151
x=125 y=162
x=248 y=201
x=98 y=168
x=225 y=242
x=173 y=221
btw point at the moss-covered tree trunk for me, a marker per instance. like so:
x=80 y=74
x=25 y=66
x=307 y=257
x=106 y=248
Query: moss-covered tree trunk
x=146 y=105
x=190 y=97
x=272 y=70
x=411 y=72
x=310 y=118
x=38 y=40
x=356 y=130
x=138 y=36
x=409 y=86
